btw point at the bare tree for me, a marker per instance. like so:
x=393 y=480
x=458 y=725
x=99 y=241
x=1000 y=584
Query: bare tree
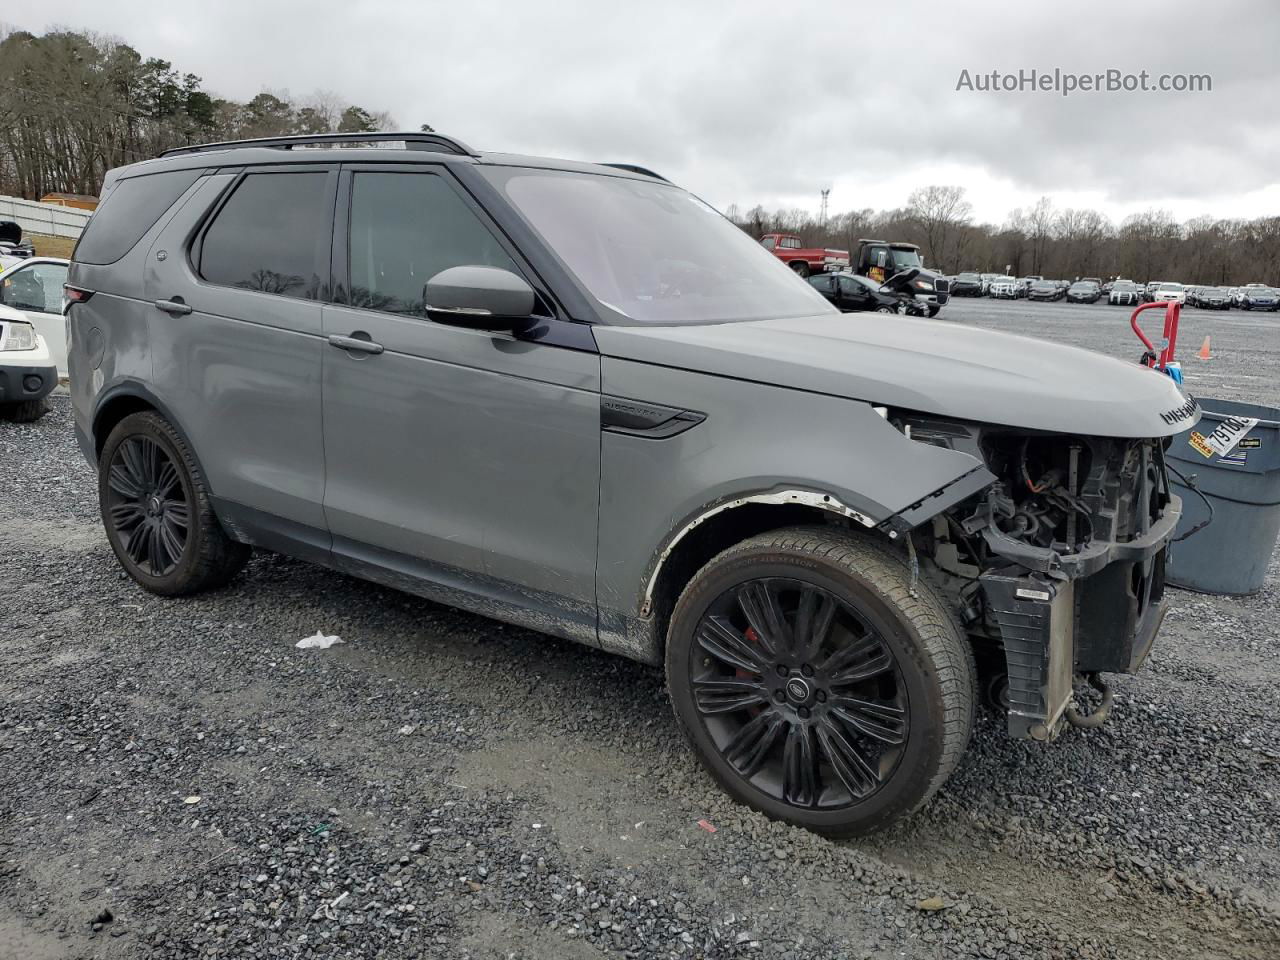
x=939 y=212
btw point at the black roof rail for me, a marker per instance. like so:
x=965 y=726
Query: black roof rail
x=434 y=142
x=634 y=168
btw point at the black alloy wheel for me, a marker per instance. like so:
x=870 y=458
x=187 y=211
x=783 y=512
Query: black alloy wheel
x=147 y=506
x=819 y=680
x=158 y=512
x=799 y=692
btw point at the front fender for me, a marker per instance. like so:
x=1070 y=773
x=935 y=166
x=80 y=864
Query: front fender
x=757 y=441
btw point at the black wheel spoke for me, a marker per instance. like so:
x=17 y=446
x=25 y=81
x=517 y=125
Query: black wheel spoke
x=858 y=776
x=760 y=606
x=136 y=545
x=726 y=695
x=123 y=481
x=176 y=513
x=813 y=621
x=862 y=659
x=125 y=514
x=753 y=743
x=880 y=721
x=800 y=766
x=722 y=640
x=167 y=480
x=168 y=538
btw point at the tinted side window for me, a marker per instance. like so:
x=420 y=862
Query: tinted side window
x=131 y=209
x=272 y=235
x=406 y=228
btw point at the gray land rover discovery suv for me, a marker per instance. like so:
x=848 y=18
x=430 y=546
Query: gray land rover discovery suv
x=575 y=398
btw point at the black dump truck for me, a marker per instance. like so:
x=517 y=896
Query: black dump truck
x=899 y=267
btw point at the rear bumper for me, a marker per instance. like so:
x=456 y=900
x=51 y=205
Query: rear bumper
x=20 y=382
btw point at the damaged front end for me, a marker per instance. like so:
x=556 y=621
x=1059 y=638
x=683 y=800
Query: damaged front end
x=1057 y=568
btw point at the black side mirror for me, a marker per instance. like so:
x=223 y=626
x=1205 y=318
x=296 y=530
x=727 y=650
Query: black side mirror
x=483 y=298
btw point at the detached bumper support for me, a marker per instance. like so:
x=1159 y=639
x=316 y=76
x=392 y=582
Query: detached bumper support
x=1037 y=623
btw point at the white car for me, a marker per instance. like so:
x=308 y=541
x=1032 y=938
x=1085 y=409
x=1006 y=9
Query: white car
x=27 y=370
x=33 y=287
x=1170 y=291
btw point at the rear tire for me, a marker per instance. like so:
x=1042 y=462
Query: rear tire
x=25 y=411
x=801 y=269
x=818 y=682
x=157 y=513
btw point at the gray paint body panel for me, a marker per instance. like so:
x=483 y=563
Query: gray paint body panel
x=923 y=365
x=471 y=449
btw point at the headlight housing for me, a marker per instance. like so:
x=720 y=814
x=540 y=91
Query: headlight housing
x=18 y=336
x=924 y=284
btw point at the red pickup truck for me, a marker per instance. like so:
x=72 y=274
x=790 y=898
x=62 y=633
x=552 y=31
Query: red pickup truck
x=804 y=260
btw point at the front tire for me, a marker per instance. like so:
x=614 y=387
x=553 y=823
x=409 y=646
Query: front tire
x=156 y=510
x=25 y=411
x=818 y=681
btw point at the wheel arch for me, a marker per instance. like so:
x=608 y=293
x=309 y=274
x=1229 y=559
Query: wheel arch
x=717 y=527
x=128 y=398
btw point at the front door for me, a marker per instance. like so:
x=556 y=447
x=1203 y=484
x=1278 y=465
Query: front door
x=467 y=461
x=35 y=289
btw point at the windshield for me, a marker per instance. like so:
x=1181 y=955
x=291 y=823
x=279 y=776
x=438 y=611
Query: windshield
x=654 y=253
x=1083 y=285
x=1173 y=287
x=906 y=259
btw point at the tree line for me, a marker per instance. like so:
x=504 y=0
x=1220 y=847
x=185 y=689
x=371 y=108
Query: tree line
x=77 y=104
x=1045 y=240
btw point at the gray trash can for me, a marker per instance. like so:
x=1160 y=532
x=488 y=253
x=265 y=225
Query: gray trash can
x=1231 y=555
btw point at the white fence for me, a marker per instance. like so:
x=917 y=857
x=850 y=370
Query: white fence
x=47 y=219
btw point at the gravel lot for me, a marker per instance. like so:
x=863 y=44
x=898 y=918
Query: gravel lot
x=177 y=780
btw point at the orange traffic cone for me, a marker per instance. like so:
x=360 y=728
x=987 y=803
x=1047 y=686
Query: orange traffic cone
x=1204 y=349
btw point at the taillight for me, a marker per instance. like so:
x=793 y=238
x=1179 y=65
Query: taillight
x=72 y=295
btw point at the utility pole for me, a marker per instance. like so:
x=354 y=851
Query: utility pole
x=822 y=216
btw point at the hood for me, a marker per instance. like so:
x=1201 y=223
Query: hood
x=946 y=369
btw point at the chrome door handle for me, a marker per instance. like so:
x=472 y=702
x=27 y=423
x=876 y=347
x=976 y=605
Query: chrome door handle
x=175 y=307
x=355 y=344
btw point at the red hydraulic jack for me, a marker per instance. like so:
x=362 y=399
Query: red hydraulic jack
x=1163 y=361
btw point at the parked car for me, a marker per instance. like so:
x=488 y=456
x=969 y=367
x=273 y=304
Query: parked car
x=801 y=259
x=966 y=285
x=987 y=279
x=1125 y=293
x=1213 y=298
x=1084 y=291
x=851 y=293
x=1169 y=291
x=1045 y=290
x=1004 y=288
x=1258 y=297
x=1026 y=282
x=34 y=288
x=27 y=371
x=575 y=398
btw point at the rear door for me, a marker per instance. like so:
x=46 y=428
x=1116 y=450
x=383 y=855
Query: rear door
x=465 y=458
x=235 y=334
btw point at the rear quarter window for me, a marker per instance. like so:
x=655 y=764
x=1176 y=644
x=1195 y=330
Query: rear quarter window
x=129 y=211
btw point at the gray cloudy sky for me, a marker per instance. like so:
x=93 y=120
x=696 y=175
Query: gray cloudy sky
x=746 y=101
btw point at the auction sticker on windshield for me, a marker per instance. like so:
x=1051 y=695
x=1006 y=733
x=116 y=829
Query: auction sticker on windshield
x=1224 y=438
